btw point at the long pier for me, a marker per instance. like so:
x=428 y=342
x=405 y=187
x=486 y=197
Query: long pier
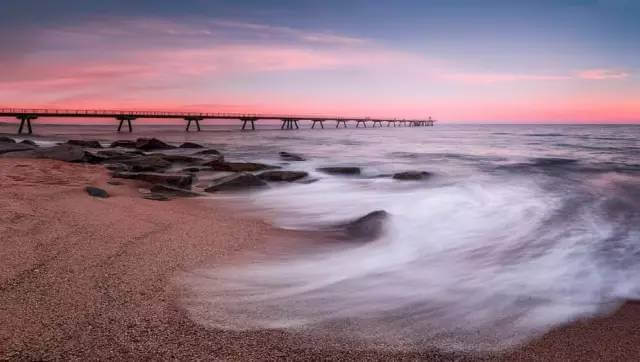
x=289 y=122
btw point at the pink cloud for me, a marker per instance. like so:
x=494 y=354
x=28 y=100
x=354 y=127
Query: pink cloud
x=601 y=74
x=500 y=77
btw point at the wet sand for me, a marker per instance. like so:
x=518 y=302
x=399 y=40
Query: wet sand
x=87 y=278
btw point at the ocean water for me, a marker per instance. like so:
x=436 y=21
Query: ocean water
x=520 y=228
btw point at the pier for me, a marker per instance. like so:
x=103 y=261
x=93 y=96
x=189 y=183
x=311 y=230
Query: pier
x=289 y=122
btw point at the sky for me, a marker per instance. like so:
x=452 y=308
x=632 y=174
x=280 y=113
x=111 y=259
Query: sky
x=456 y=60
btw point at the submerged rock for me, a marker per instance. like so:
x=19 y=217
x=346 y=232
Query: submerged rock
x=291 y=157
x=240 y=181
x=4 y=139
x=96 y=192
x=150 y=144
x=238 y=166
x=190 y=145
x=123 y=144
x=282 y=176
x=367 y=227
x=411 y=175
x=83 y=143
x=340 y=170
x=174 y=191
x=181 y=159
x=173 y=179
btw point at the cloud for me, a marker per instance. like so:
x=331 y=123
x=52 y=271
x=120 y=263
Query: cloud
x=501 y=77
x=602 y=74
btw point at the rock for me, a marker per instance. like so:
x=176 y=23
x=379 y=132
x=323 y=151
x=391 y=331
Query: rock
x=340 y=170
x=150 y=144
x=123 y=144
x=116 y=167
x=6 y=147
x=291 y=157
x=96 y=192
x=29 y=142
x=151 y=163
x=115 y=182
x=192 y=169
x=207 y=152
x=214 y=161
x=278 y=176
x=174 y=191
x=156 y=197
x=238 y=166
x=115 y=154
x=64 y=152
x=411 y=175
x=190 y=145
x=4 y=139
x=144 y=191
x=181 y=159
x=240 y=181
x=83 y=143
x=367 y=227
x=173 y=179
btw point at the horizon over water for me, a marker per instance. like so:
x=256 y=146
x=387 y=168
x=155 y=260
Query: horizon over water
x=521 y=228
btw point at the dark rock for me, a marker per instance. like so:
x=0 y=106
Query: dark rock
x=286 y=176
x=216 y=160
x=174 y=191
x=123 y=144
x=192 y=169
x=291 y=157
x=116 y=167
x=29 y=142
x=367 y=227
x=207 y=152
x=7 y=147
x=115 y=155
x=150 y=144
x=67 y=153
x=96 y=192
x=340 y=170
x=411 y=175
x=83 y=143
x=181 y=159
x=173 y=179
x=156 y=197
x=238 y=166
x=240 y=181
x=4 y=139
x=190 y=145
x=146 y=163
x=115 y=182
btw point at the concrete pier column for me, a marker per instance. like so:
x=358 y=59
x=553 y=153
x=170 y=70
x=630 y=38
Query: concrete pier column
x=193 y=119
x=122 y=119
x=25 y=120
x=246 y=120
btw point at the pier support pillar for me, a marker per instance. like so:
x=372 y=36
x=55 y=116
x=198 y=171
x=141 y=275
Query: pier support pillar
x=128 y=119
x=363 y=123
x=317 y=121
x=343 y=121
x=288 y=123
x=25 y=120
x=379 y=123
x=244 y=123
x=192 y=119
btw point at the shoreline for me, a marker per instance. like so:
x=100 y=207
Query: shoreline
x=87 y=278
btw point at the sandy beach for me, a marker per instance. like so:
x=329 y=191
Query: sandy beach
x=84 y=278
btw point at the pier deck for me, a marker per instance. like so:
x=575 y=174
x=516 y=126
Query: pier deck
x=289 y=122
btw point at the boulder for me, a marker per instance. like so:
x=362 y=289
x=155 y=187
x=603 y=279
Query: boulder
x=238 y=166
x=215 y=160
x=96 y=192
x=291 y=157
x=411 y=175
x=123 y=144
x=192 y=169
x=239 y=181
x=340 y=170
x=4 y=139
x=173 y=179
x=207 y=152
x=83 y=143
x=174 y=191
x=150 y=144
x=181 y=159
x=280 y=176
x=367 y=227
x=116 y=167
x=190 y=145
x=64 y=152
x=146 y=163
x=6 y=147
x=114 y=155
x=156 y=197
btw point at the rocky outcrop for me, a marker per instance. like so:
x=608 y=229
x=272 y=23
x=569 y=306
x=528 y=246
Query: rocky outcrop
x=64 y=152
x=173 y=191
x=367 y=227
x=172 y=179
x=151 y=144
x=207 y=152
x=411 y=175
x=181 y=159
x=151 y=163
x=6 y=147
x=282 y=176
x=237 y=166
x=123 y=144
x=156 y=197
x=340 y=170
x=190 y=145
x=291 y=157
x=29 y=142
x=4 y=139
x=86 y=144
x=96 y=192
x=240 y=181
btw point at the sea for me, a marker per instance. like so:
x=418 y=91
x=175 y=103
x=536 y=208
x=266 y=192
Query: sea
x=517 y=230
